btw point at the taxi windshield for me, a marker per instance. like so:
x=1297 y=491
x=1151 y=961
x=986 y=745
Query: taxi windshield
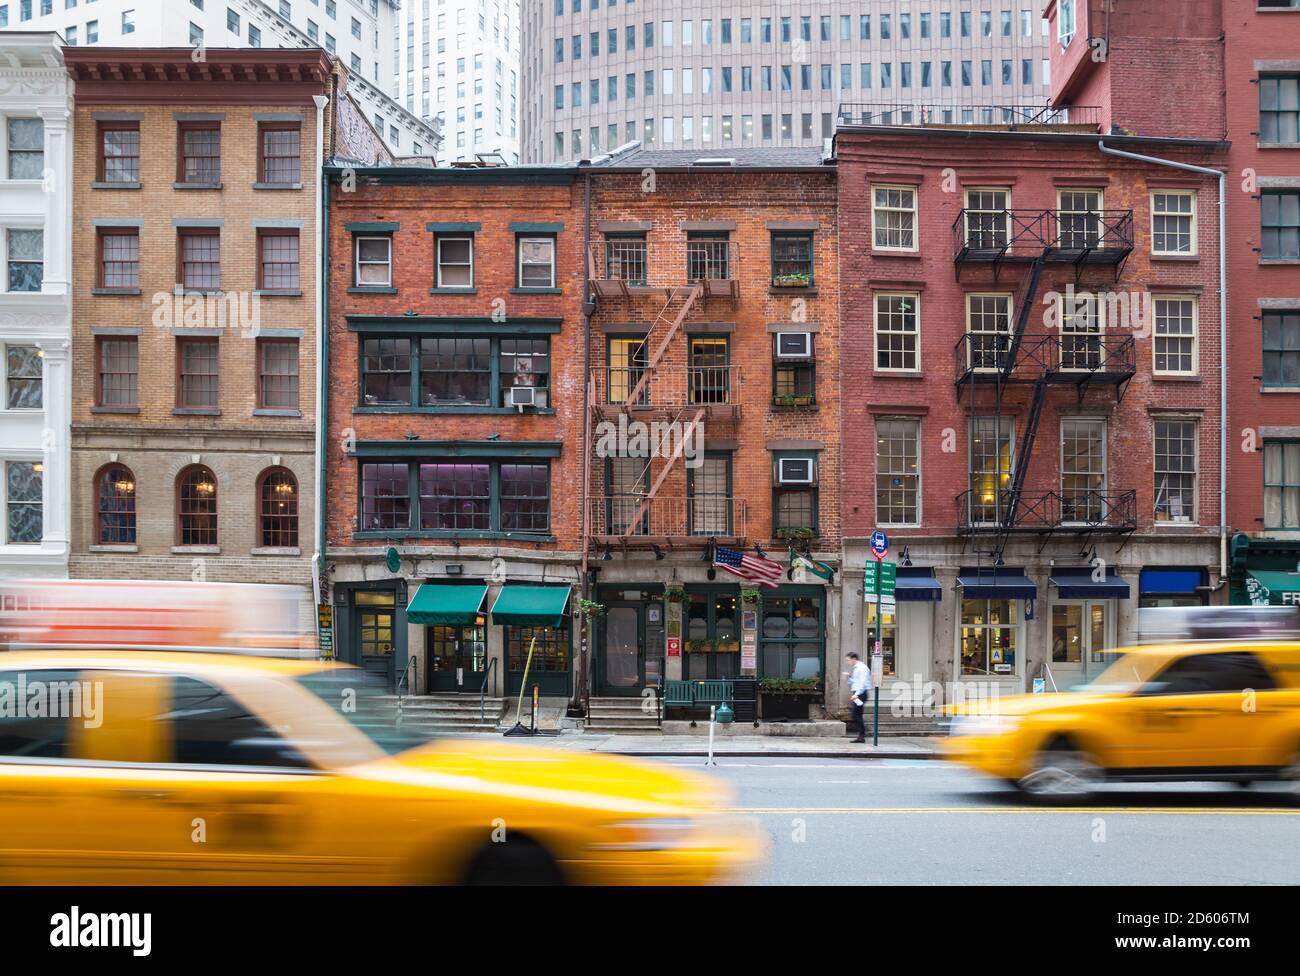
x=1126 y=674
x=364 y=700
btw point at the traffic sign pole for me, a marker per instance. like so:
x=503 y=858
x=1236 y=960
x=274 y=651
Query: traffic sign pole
x=879 y=549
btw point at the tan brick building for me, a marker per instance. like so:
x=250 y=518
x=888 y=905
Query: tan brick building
x=194 y=334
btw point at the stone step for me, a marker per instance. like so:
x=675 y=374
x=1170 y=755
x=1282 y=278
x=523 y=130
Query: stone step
x=606 y=729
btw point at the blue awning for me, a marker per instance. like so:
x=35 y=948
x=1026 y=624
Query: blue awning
x=1078 y=584
x=917 y=584
x=996 y=584
x=1170 y=580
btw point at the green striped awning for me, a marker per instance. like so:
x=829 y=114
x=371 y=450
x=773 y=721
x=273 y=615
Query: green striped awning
x=531 y=606
x=438 y=603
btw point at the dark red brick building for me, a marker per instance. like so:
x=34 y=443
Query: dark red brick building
x=1031 y=404
x=1230 y=71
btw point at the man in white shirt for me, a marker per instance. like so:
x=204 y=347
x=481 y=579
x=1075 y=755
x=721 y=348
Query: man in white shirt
x=859 y=689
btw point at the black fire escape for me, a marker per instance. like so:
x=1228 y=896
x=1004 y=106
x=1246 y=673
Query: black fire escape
x=1077 y=350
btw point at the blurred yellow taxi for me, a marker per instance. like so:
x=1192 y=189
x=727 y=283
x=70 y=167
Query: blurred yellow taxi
x=154 y=767
x=1165 y=712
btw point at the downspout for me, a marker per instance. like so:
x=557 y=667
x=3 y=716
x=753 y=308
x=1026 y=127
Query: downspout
x=322 y=366
x=1223 y=335
x=584 y=583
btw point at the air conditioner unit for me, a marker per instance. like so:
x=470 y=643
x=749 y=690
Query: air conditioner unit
x=794 y=471
x=794 y=345
x=523 y=396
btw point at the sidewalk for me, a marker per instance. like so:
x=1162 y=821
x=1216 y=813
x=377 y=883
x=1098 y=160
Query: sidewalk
x=734 y=746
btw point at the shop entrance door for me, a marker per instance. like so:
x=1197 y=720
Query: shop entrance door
x=632 y=650
x=457 y=657
x=1082 y=632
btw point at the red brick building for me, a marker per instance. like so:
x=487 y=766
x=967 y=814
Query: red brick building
x=454 y=423
x=1031 y=388
x=1250 y=54
x=714 y=318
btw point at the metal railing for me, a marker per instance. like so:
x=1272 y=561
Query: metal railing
x=669 y=386
x=405 y=678
x=710 y=260
x=1082 y=510
x=1038 y=353
x=622 y=259
x=905 y=113
x=634 y=263
x=682 y=517
x=1029 y=232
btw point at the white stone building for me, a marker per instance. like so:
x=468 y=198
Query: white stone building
x=35 y=304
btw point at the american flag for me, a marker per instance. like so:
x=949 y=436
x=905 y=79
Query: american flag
x=765 y=572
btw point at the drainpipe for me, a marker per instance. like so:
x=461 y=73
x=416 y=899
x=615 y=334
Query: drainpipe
x=1223 y=335
x=322 y=413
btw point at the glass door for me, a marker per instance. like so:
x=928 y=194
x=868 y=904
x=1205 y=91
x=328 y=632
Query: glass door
x=1081 y=636
x=457 y=657
x=623 y=657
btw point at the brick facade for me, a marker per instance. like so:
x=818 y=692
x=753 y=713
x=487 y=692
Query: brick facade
x=153 y=435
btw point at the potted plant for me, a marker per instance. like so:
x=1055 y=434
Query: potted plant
x=801 y=534
x=590 y=609
x=794 y=400
x=794 y=279
x=749 y=595
x=788 y=697
x=675 y=593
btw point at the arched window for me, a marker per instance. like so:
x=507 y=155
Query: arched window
x=196 y=507
x=115 y=506
x=277 y=509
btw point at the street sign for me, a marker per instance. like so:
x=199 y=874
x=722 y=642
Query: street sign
x=881 y=579
x=879 y=543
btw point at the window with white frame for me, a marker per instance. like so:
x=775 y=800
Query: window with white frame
x=1175 y=471
x=893 y=218
x=1083 y=470
x=23 y=377
x=1173 y=338
x=25 y=143
x=24 y=511
x=898 y=331
x=374 y=261
x=1173 y=222
x=898 y=471
x=24 y=259
x=1065 y=22
x=988 y=219
x=1082 y=324
x=1079 y=218
x=455 y=262
x=536 y=262
x=988 y=328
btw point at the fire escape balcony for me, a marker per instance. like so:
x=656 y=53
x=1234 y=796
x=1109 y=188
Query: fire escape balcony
x=666 y=520
x=667 y=390
x=1083 y=238
x=997 y=360
x=1082 y=512
x=623 y=268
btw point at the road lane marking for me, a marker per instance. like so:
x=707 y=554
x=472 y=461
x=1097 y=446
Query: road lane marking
x=1172 y=811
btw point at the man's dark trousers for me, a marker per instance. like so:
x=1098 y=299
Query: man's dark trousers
x=858 y=719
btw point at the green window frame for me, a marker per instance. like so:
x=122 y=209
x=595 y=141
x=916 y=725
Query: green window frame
x=794 y=381
x=792 y=259
x=784 y=654
x=711 y=622
x=1282 y=484
x=455 y=497
x=450 y=371
x=709 y=365
x=1281 y=348
x=552 y=654
x=621 y=500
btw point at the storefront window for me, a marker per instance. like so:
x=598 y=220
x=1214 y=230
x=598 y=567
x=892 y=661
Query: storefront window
x=712 y=636
x=793 y=641
x=888 y=636
x=988 y=637
x=551 y=652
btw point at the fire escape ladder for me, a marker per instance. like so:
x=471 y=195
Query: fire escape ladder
x=1022 y=460
x=692 y=295
x=1023 y=313
x=678 y=449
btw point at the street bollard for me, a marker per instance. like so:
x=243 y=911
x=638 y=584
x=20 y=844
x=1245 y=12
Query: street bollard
x=713 y=715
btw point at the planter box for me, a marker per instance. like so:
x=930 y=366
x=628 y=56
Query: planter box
x=782 y=704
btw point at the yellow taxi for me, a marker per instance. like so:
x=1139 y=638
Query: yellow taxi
x=156 y=767
x=1166 y=712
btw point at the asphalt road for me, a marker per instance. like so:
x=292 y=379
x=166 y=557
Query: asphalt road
x=881 y=822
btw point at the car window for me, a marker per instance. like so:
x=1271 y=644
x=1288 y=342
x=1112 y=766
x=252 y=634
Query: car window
x=35 y=708
x=210 y=727
x=1207 y=674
